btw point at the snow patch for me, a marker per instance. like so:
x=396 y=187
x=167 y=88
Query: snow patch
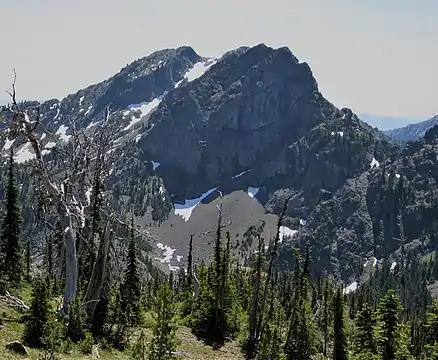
x=50 y=145
x=286 y=232
x=168 y=253
x=373 y=259
x=138 y=137
x=397 y=176
x=252 y=191
x=185 y=210
x=88 y=111
x=88 y=195
x=62 y=133
x=155 y=165
x=303 y=222
x=173 y=268
x=350 y=288
x=24 y=154
x=241 y=174
x=145 y=108
x=374 y=163
x=393 y=265
x=341 y=133
x=199 y=69
x=80 y=100
x=57 y=114
x=8 y=144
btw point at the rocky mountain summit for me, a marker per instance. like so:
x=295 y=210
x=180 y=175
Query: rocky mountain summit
x=249 y=130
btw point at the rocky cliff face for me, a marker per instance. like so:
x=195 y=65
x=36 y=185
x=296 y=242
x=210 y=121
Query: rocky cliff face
x=374 y=213
x=251 y=126
x=240 y=113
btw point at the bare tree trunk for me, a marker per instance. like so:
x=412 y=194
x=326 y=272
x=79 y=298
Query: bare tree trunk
x=97 y=279
x=71 y=268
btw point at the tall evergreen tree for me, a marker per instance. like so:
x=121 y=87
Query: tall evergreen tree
x=163 y=344
x=392 y=339
x=340 y=340
x=39 y=315
x=364 y=341
x=326 y=317
x=130 y=288
x=11 y=229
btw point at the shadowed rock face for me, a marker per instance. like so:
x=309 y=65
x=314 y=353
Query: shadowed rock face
x=254 y=118
x=244 y=111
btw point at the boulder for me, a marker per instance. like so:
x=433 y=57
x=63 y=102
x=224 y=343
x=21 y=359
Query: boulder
x=17 y=347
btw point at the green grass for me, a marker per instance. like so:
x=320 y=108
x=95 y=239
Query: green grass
x=189 y=345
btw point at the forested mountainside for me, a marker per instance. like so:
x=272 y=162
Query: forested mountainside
x=376 y=212
x=226 y=198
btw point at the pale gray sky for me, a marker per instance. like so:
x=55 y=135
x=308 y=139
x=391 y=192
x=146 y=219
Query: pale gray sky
x=375 y=56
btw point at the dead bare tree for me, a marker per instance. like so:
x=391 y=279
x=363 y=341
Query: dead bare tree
x=65 y=191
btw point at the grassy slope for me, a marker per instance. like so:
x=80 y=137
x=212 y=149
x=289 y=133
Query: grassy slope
x=189 y=346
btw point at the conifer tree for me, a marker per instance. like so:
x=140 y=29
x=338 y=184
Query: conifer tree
x=431 y=327
x=392 y=339
x=299 y=342
x=11 y=229
x=364 y=342
x=28 y=260
x=250 y=345
x=188 y=282
x=39 y=315
x=326 y=318
x=340 y=340
x=130 y=288
x=163 y=344
x=190 y=265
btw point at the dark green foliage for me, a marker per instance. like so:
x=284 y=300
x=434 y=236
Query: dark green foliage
x=140 y=351
x=364 y=341
x=77 y=320
x=11 y=250
x=392 y=338
x=215 y=310
x=163 y=344
x=39 y=316
x=130 y=288
x=340 y=340
x=100 y=317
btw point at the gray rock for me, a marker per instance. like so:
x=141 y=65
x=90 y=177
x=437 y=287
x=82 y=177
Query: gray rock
x=17 y=347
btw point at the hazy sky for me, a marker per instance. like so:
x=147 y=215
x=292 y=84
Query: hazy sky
x=375 y=56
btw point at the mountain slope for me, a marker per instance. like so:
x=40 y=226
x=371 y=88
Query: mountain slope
x=412 y=131
x=250 y=127
x=372 y=212
x=385 y=123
